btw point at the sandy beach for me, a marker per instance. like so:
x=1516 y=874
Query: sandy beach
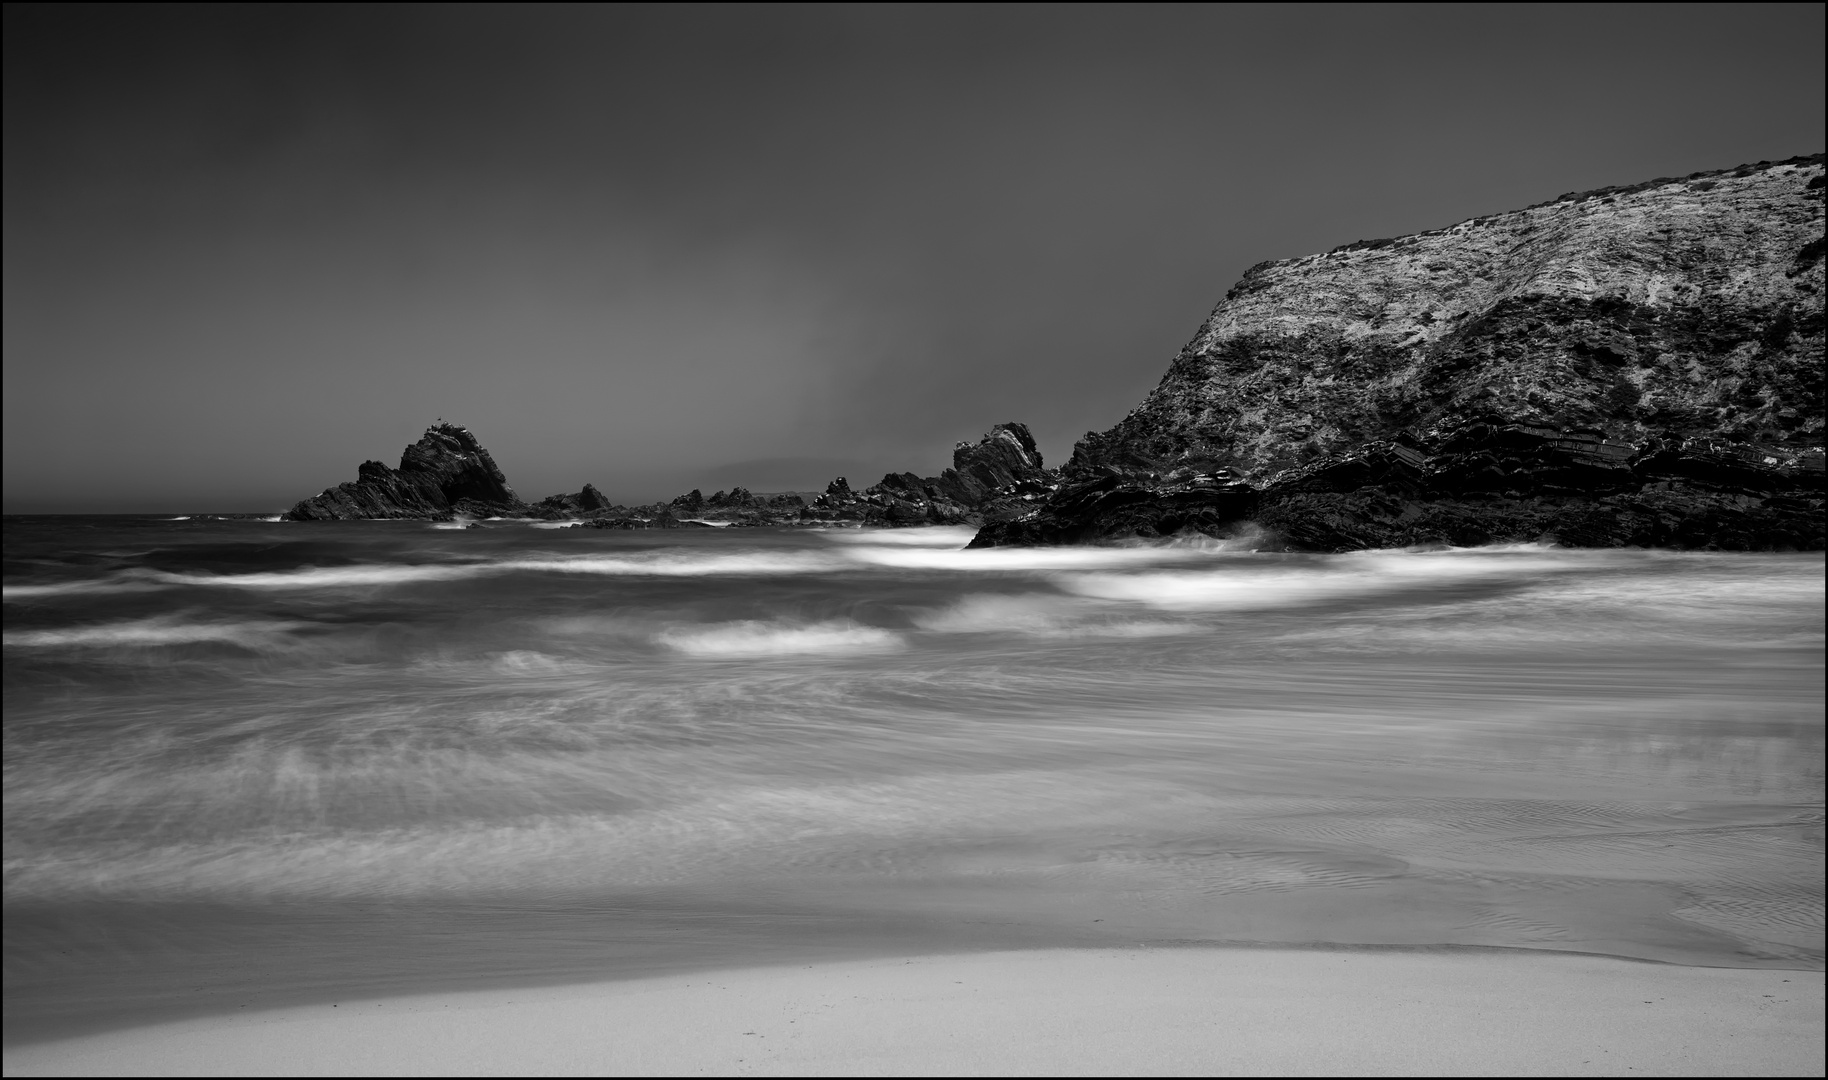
x=1143 y=1011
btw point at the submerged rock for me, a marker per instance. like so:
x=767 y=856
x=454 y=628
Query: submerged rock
x=1636 y=365
x=446 y=472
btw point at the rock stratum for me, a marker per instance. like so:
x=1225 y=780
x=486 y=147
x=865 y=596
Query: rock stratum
x=1638 y=365
x=447 y=475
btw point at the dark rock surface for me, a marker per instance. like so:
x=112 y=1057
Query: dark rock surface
x=1463 y=485
x=582 y=504
x=999 y=476
x=448 y=473
x=1637 y=365
x=445 y=473
x=1005 y=458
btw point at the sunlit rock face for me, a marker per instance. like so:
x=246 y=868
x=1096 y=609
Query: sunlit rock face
x=1006 y=457
x=447 y=471
x=998 y=477
x=1636 y=365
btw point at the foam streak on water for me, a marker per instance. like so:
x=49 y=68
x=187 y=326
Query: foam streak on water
x=575 y=748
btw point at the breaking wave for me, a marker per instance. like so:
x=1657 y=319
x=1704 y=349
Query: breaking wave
x=1043 y=616
x=1534 y=742
x=150 y=632
x=1246 y=587
x=937 y=536
x=755 y=638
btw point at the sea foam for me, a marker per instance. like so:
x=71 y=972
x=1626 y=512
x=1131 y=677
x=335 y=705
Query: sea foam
x=148 y=632
x=754 y=638
x=1043 y=616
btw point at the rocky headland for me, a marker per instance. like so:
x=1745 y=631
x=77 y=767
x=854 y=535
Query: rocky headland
x=1638 y=365
x=447 y=474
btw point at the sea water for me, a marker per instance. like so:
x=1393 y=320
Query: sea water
x=249 y=762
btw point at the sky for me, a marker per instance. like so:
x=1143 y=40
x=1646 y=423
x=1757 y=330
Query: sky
x=247 y=248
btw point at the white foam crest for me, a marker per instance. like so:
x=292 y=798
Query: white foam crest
x=372 y=575
x=315 y=577
x=156 y=631
x=1518 y=560
x=755 y=638
x=1040 y=615
x=1028 y=559
x=937 y=536
x=678 y=564
x=116 y=584
x=1237 y=587
x=530 y=662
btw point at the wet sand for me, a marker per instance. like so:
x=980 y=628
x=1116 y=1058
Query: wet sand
x=1144 y=1011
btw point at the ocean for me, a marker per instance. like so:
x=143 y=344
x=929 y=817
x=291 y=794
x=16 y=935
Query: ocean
x=256 y=762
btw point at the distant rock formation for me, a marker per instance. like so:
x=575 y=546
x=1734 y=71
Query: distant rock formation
x=1638 y=365
x=557 y=507
x=998 y=476
x=446 y=472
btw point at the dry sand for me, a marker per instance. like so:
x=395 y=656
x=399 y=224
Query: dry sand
x=1179 y=1011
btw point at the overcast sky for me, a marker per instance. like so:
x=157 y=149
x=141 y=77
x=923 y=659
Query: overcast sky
x=653 y=248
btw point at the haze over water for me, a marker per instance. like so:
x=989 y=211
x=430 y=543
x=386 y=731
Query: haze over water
x=252 y=760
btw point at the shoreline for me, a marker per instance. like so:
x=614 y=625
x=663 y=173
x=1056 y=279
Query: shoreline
x=1177 y=1010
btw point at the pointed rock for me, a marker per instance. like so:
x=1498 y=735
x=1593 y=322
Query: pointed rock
x=445 y=472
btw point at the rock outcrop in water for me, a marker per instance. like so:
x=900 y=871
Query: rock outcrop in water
x=997 y=477
x=446 y=472
x=1638 y=365
x=587 y=501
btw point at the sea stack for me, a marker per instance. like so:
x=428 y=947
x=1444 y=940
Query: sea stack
x=1637 y=365
x=446 y=472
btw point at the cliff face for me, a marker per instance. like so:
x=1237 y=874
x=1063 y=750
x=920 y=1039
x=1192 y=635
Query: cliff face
x=446 y=471
x=1631 y=365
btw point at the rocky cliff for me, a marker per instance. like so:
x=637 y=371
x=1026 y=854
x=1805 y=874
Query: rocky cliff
x=447 y=471
x=1634 y=365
